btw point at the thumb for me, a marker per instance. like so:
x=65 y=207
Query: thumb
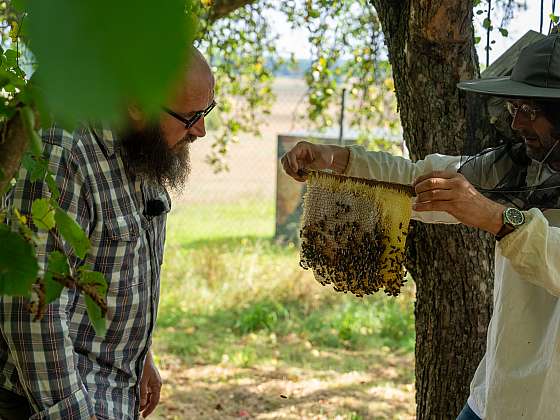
x=143 y=392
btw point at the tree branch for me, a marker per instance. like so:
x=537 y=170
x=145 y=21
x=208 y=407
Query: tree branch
x=88 y=289
x=13 y=144
x=222 y=8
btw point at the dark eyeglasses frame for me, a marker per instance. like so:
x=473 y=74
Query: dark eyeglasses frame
x=189 y=122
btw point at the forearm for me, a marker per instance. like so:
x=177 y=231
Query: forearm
x=384 y=166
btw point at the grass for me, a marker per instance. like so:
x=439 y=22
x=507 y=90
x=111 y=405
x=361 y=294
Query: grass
x=233 y=299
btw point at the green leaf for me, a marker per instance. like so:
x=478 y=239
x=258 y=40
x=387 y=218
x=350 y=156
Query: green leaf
x=18 y=267
x=20 y=5
x=503 y=31
x=52 y=186
x=57 y=265
x=93 y=278
x=53 y=289
x=43 y=214
x=37 y=168
x=476 y=39
x=35 y=142
x=98 y=56
x=11 y=58
x=554 y=18
x=94 y=311
x=487 y=24
x=72 y=233
x=96 y=317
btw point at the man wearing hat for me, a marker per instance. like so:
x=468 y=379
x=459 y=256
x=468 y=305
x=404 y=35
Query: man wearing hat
x=513 y=192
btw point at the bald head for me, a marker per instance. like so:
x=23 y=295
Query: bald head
x=197 y=64
x=194 y=94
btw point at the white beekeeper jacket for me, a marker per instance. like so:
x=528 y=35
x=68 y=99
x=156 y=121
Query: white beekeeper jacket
x=519 y=376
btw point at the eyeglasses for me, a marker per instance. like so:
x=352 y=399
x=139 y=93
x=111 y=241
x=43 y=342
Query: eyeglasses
x=189 y=122
x=526 y=109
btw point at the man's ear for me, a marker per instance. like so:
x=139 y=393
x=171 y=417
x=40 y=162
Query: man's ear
x=137 y=117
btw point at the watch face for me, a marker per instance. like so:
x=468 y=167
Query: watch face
x=514 y=216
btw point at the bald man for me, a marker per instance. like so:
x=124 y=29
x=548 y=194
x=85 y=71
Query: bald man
x=113 y=183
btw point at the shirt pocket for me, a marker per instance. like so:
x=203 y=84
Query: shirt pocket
x=124 y=256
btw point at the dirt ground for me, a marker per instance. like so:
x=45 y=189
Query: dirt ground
x=269 y=392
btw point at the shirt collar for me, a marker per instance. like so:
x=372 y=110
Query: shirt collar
x=106 y=137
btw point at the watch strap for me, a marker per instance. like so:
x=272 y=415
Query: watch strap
x=505 y=230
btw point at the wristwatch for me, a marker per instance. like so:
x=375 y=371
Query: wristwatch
x=512 y=218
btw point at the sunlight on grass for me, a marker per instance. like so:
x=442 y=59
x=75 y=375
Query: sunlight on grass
x=195 y=224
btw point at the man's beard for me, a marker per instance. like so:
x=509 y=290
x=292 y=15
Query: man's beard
x=539 y=150
x=147 y=154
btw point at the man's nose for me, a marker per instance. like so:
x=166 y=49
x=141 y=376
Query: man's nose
x=519 y=121
x=199 y=129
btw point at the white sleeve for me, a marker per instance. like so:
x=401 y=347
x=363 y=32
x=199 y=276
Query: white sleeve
x=386 y=167
x=534 y=251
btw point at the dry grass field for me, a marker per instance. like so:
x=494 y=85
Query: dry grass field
x=252 y=161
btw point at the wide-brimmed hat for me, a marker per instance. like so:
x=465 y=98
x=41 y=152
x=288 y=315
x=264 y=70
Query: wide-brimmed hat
x=535 y=75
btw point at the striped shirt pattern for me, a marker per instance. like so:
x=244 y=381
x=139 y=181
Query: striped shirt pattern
x=58 y=363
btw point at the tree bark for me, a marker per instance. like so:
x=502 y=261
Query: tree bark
x=431 y=48
x=13 y=144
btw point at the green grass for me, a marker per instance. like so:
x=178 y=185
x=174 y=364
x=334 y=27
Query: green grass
x=231 y=295
x=202 y=225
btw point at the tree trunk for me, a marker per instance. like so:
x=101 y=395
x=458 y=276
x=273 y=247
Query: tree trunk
x=431 y=48
x=13 y=144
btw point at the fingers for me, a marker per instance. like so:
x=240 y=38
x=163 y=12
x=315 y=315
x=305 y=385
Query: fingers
x=143 y=392
x=153 y=399
x=443 y=191
x=434 y=191
x=435 y=195
x=446 y=206
x=289 y=169
x=303 y=155
x=441 y=176
x=443 y=180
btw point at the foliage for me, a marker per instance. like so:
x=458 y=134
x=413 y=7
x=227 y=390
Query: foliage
x=498 y=10
x=241 y=52
x=89 y=70
x=347 y=53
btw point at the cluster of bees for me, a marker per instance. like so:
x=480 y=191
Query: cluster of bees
x=357 y=249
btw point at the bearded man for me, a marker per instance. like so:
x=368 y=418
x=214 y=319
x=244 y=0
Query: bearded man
x=113 y=183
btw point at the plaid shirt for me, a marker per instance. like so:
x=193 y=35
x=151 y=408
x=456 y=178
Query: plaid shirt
x=58 y=363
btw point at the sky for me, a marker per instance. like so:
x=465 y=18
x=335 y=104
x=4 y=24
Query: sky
x=294 y=41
